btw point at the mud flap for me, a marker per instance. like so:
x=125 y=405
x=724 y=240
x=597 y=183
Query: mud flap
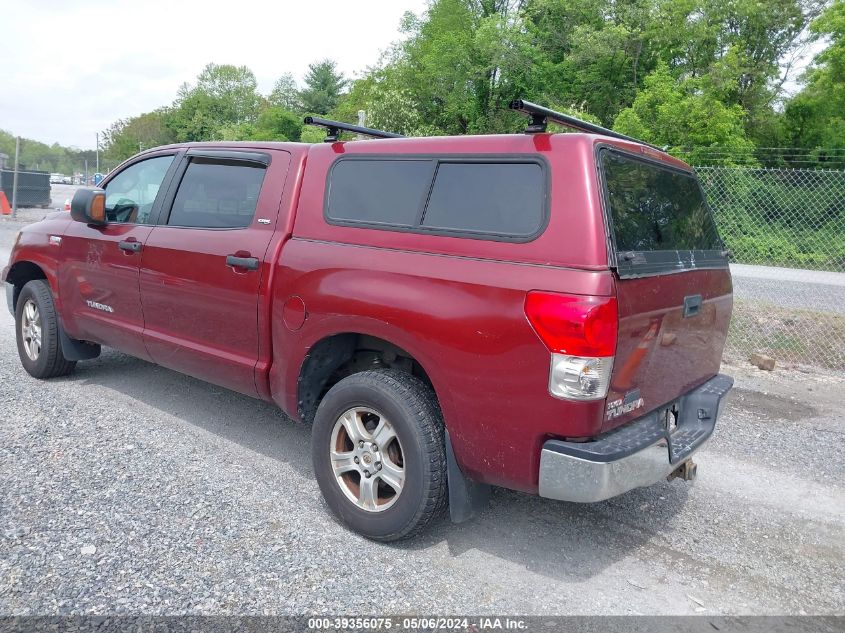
x=76 y=350
x=467 y=497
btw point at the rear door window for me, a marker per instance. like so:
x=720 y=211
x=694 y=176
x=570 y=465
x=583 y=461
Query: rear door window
x=659 y=217
x=219 y=194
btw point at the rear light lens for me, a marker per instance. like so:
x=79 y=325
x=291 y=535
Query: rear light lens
x=574 y=324
x=581 y=332
x=580 y=378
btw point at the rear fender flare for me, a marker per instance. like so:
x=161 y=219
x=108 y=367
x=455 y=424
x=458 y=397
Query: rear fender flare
x=289 y=365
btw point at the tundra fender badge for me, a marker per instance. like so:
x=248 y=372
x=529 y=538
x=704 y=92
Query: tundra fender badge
x=99 y=306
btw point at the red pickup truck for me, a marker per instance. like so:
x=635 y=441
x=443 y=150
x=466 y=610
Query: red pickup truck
x=543 y=312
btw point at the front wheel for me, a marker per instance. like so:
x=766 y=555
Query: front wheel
x=378 y=454
x=37 y=332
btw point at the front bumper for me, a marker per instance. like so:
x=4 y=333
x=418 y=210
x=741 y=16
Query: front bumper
x=637 y=454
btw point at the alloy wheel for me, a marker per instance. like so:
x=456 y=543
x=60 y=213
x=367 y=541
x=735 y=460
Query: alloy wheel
x=31 y=329
x=367 y=459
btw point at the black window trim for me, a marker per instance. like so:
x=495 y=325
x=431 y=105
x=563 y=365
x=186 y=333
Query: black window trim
x=164 y=187
x=228 y=156
x=437 y=160
x=651 y=263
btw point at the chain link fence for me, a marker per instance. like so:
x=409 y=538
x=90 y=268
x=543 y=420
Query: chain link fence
x=786 y=231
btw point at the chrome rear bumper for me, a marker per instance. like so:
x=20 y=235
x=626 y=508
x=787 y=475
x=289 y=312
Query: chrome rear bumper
x=637 y=454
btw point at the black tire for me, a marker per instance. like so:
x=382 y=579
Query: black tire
x=411 y=407
x=50 y=362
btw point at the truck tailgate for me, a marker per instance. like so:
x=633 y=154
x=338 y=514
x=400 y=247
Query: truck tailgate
x=661 y=352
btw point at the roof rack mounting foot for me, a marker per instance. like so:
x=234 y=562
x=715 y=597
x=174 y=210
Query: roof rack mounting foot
x=334 y=128
x=332 y=134
x=540 y=114
x=538 y=124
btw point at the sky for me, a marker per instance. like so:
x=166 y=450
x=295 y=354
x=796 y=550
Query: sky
x=70 y=68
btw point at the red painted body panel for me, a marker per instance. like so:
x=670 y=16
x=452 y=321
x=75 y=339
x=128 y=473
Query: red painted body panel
x=93 y=268
x=201 y=315
x=659 y=352
x=463 y=320
x=270 y=286
x=33 y=245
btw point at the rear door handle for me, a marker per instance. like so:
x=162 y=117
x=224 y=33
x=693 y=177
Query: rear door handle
x=130 y=245
x=692 y=305
x=250 y=263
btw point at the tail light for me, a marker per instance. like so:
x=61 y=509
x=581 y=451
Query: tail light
x=580 y=332
x=67 y=205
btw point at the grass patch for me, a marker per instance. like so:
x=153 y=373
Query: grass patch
x=789 y=335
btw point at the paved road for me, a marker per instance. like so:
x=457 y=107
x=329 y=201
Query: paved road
x=60 y=193
x=792 y=288
x=792 y=275
x=130 y=488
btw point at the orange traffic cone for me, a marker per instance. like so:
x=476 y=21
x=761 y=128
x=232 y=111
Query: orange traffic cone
x=5 y=209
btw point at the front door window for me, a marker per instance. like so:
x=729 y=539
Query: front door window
x=130 y=195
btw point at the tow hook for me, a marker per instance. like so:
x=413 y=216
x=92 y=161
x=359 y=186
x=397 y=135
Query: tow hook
x=686 y=471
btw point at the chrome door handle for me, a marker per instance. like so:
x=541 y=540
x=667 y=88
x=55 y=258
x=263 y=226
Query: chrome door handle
x=130 y=246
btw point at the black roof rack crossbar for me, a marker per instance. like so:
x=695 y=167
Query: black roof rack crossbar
x=334 y=128
x=540 y=117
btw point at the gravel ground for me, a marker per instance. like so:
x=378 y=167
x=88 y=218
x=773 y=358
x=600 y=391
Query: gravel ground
x=128 y=488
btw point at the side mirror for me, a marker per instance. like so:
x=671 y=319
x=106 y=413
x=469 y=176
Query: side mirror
x=89 y=206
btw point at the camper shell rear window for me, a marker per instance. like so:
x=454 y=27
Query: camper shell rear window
x=658 y=217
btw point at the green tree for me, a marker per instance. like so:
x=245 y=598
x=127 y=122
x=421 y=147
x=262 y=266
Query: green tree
x=462 y=61
x=277 y=124
x=815 y=117
x=312 y=134
x=127 y=137
x=593 y=54
x=285 y=94
x=225 y=95
x=53 y=158
x=323 y=87
x=233 y=89
x=273 y=124
x=694 y=74
x=752 y=41
x=690 y=121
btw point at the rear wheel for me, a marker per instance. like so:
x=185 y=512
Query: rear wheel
x=37 y=332
x=378 y=454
